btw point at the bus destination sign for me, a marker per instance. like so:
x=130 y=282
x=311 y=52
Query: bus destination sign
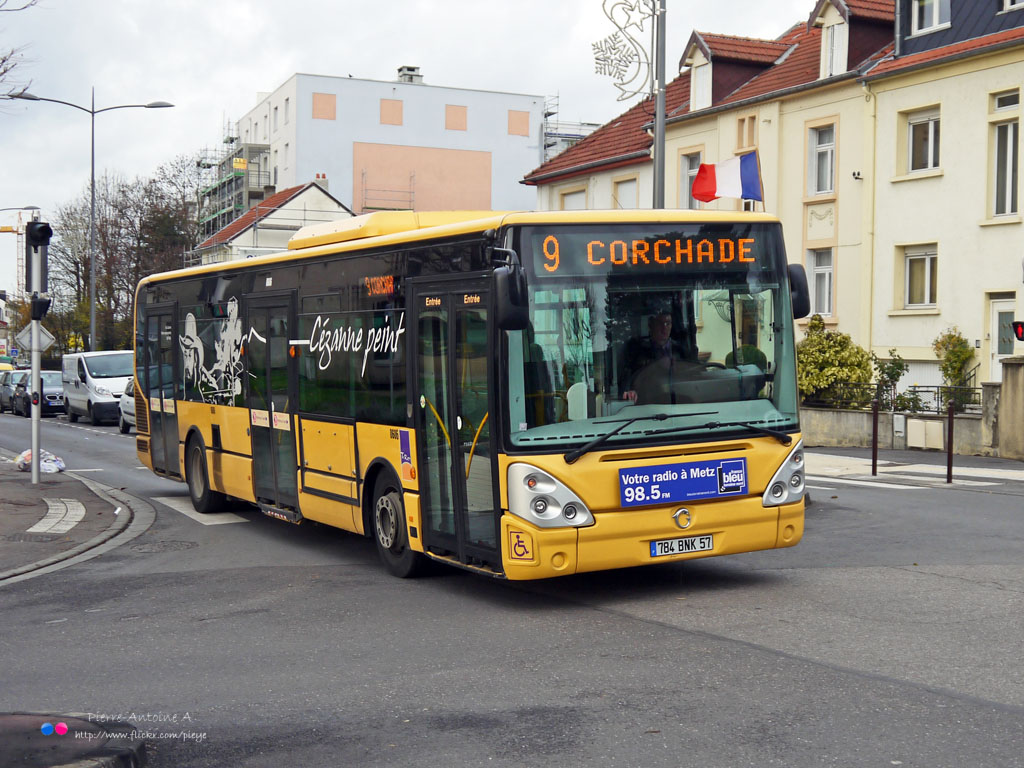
x=582 y=252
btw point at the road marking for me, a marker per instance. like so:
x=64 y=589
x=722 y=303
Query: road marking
x=61 y=516
x=933 y=480
x=870 y=483
x=819 y=487
x=183 y=505
x=85 y=470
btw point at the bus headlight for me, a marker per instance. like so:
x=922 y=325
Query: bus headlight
x=787 y=485
x=536 y=496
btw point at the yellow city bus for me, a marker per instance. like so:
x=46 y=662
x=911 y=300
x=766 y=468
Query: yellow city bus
x=524 y=395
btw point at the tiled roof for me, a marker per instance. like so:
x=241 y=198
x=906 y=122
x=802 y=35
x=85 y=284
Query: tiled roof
x=247 y=219
x=880 y=10
x=874 y=10
x=618 y=140
x=977 y=45
x=742 y=48
x=802 y=65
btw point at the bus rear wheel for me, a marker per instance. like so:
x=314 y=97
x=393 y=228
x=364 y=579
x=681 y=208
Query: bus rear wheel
x=391 y=533
x=204 y=499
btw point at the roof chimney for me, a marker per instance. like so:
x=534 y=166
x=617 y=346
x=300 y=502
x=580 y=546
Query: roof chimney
x=407 y=74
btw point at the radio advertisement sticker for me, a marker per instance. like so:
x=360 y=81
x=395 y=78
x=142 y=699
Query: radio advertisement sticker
x=672 y=483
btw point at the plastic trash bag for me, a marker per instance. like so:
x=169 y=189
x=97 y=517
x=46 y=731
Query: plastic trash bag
x=48 y=463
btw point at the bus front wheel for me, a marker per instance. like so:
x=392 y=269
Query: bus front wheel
x=391 y=533
x=204 y=499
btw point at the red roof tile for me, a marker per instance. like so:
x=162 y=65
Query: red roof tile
x=618 y=140
x=802 y=65
x=742 y=48
x=936 y=55
x=247 y=219
x=880 y=10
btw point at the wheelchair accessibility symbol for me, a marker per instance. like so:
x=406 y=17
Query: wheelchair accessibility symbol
x=520 y=546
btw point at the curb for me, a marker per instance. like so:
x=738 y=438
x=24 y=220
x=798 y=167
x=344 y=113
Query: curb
x=135 y=518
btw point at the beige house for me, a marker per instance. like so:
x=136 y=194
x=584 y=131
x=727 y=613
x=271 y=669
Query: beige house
x=949 y=237
x=889 y=144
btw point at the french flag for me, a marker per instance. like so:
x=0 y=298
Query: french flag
x=737 y=177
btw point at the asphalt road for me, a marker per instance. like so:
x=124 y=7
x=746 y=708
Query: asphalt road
x=889 y=636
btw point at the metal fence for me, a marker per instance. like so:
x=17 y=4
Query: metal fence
x=916 y=399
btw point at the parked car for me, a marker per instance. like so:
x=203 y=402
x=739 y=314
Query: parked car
x=52 y=395
x=94 y=383
x=127 y=409
x=8 y=380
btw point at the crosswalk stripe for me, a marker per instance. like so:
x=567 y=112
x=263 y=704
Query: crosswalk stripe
x=183 y=505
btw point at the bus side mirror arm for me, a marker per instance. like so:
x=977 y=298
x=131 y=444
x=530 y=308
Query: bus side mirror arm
x=799 y=295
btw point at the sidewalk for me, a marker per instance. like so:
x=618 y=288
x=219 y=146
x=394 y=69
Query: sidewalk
x=52 y=521
x=922 y=465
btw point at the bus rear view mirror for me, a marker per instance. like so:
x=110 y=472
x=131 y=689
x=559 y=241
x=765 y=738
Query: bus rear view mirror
x=798 y=293
x=510 y=306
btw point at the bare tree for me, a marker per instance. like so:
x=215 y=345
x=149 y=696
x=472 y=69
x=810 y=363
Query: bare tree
x=10 y=58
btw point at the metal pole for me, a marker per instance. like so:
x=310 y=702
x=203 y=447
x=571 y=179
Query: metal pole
x=659 y=107
x=93 y=346
x=874 y=437
x=35 y=289
x=949 y=444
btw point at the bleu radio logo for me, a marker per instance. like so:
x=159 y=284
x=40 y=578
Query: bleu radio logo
x=732 y=476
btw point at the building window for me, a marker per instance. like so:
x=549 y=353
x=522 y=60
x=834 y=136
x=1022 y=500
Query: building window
x=923 y=130
x=746 y=132
x=688 y=167
x=286 y=155
x=820 y=262
x=823 y=160
x=275 y=118
x=835 y=50
x=928 y=14
x=1007 y=100
x=701 y=86
x=287 y=110
x=1010 y=5
x=921 y=278
x=1007 y=167
x=625 y=194
x=576 y=200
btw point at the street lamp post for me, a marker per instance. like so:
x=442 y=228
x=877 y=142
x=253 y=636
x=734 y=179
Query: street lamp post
x=92 y=111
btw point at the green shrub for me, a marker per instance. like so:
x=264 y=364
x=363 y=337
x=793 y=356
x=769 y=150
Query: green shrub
x=826 y=358
x=955 y=354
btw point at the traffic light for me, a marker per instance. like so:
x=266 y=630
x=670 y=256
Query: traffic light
x=40 y=306
x=1018 y=329
x=38 y=234
x=37 y=237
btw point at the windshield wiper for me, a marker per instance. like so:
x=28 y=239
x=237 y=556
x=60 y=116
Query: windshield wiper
x=575 y=453
x=782 y=437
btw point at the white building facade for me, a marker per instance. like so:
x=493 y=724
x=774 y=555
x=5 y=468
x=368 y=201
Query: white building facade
x=379 y=145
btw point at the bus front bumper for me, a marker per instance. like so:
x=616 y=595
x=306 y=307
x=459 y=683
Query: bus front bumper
x=622 y=539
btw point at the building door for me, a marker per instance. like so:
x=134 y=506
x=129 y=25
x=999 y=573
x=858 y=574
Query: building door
x=453 y=420
x=1002 y=337
x=270 y=397
x=159 y=384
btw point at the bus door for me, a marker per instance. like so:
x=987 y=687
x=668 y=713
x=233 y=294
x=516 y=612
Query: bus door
x=270 y=397
x=453 y=420
x=160 y=350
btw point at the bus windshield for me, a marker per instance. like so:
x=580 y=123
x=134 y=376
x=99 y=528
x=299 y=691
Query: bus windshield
x=684 y=328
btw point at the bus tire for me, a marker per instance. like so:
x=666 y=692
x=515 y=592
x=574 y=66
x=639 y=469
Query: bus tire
x=390 y=531
x=204 y=499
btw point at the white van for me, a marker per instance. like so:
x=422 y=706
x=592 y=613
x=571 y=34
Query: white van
x=94 y=382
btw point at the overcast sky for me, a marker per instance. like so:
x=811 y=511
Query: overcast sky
x=211 y=57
